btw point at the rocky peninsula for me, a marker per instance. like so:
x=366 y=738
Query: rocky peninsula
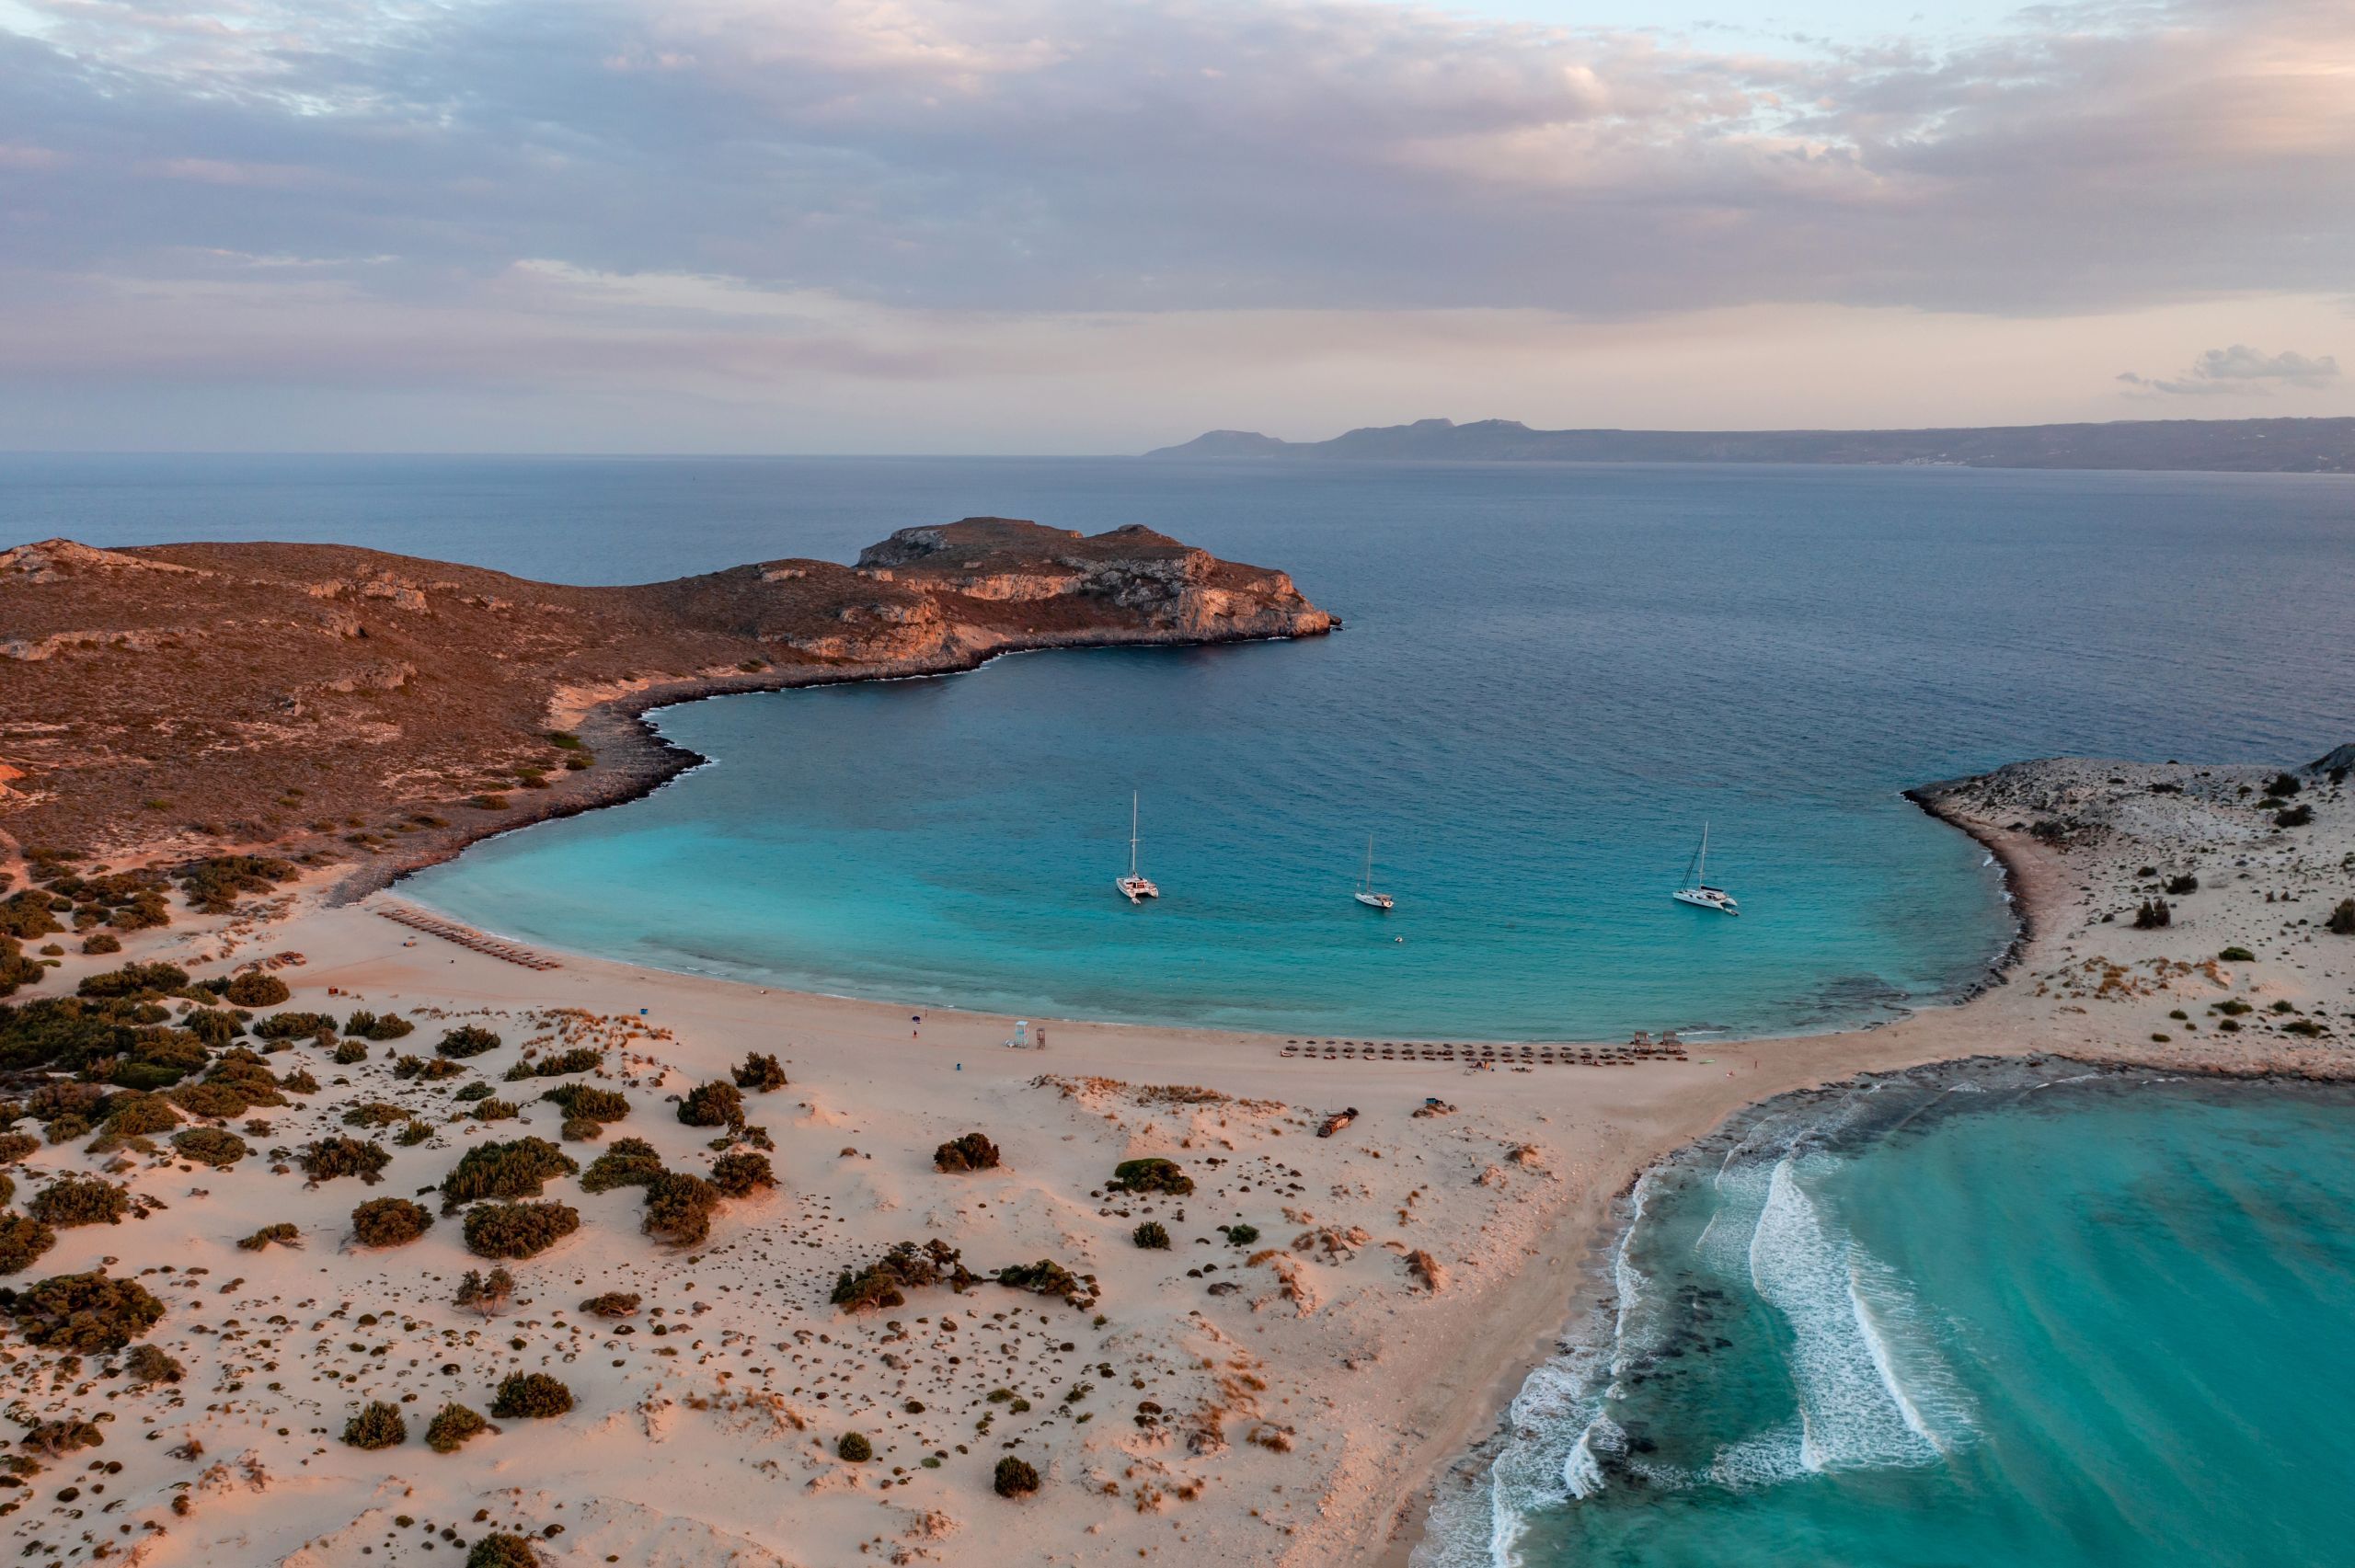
x=376 y=712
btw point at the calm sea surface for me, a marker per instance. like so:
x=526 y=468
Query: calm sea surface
x=1971 y=1318
x=1551 y=676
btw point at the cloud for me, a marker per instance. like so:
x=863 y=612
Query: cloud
x=1040 y=164
x=2242 y=370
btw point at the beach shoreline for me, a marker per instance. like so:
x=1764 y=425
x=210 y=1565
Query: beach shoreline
x=1308 y=1394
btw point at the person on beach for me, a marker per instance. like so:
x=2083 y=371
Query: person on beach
x=916 y=1019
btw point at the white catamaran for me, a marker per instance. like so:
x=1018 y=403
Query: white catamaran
x=1696 y=890
x=1135 y=888
x=1365 y=894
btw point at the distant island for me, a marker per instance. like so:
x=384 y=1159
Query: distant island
x=2237 y=446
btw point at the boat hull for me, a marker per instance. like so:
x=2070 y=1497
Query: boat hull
x=1376 y=900
x=1708 y=898
x=1137 y=889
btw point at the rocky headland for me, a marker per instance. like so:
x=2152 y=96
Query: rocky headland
x=376 y=712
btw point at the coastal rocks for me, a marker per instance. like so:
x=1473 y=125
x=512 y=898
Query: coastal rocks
x=52 y=560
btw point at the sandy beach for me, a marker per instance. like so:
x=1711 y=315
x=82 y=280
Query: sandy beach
x=1287 y=1393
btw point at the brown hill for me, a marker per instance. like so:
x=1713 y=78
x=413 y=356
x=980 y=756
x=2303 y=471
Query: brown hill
x=181 y=700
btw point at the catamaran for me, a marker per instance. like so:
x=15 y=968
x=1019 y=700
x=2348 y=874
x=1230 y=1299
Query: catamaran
x=1696 y=890
x=1136 y=889
x=1365 y=894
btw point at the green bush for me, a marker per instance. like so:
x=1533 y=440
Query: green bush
x=613 y=1304
x=212 y=884
x=1150 y=1176
x=17 y=1146
x=712 y=1104
x=296 y=1027
x=741 y=1175
x=349 y=1053
x=678 y=1207
x=375 y=1113
x=626 y=1162
x=80 y=1200
x=100 y=942
x=2152 y=914
x=517 y=1168
x=1016 y=1478
x=2177 y=885
x=518 y=1229
x=472 y=1091
x=762 y=1074
x=2296 y=816
x=2342 y=919
x=1239 y=1235
x=582 y=1058
x=500 y=1550
x=905 y=1267
x=390 y=1222
x=15 y=969
x=970 y=1152
x=26 y=914
x=496 y=1110
x=255 y=989
x=85 y=1313
x=151 y=1364
x=373 y=1026
x=284 y=1234
x=2237 y=955
x=486 y=1293
x=135 y=980
x=431 y=1071
x=532 y=1396
x=467 y=1040
x=330 y=1158
x=213 y=1146
x=137 y=1115
x=582 y=1129
x=451 y=1426
x=22 y=1242
x=376 y=1425
x=1045 y=1278
x=1152 y=1235
x=853 y=1449
x=585 y=1100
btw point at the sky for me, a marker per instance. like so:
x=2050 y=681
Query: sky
x=1035 y=226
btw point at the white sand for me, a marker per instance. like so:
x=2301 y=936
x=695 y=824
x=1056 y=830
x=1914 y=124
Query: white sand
x=1297 y=1417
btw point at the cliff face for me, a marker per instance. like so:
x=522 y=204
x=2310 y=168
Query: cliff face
x=177 y=700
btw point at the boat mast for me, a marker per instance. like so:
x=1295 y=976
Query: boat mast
x=1369 y=863
x=1133 y=832
x=1702 y=877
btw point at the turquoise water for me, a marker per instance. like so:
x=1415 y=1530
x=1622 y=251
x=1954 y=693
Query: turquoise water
x=1552 y=675
x=1997 y=1314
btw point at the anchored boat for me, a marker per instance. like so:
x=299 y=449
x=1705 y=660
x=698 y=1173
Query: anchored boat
x=1134 y=886
x=1696 y=890
x=1365 y=894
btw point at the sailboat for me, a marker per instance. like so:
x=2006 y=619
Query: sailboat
x=1135 y=888
x=1696 y=890
x=1365 y=894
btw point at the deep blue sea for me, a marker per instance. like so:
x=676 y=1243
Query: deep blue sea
x=1551 y=676
x=1977 y=1317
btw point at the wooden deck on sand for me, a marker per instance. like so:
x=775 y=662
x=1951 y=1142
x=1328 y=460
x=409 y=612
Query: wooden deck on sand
x=465 y=936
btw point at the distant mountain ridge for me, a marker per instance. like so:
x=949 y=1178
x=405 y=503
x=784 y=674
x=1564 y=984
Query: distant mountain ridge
x=2243 y=446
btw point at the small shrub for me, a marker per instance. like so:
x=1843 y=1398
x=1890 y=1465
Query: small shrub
x=581 y=1059
x=905 y=1267
x=472 y=1091
x=532 y=1396
x=390 y=1222
x=486 y=1293
x=451 y=1426
x=2296 y=816
x=413 y=1134
x=853 y=1448
x=1016 y=1478
x=212 y=884
x=255 y=989
x=349 y=1053
x=377 y=1426
x=430 y=1071
x=972 y=1152
x=500 y=1550
x=213 y=1146
x=496 y=1110
x=467 y=1040
x=134 y=980
x=151 y=1364
x=2237 y=955
x=17 y=1146
x=740 y=1174
x=518 y=1169
x=22 y=1243
x=101 y=942
x=518 y=1229
x=285 y=1235
x=377 y=1027
x=1152 y=1235
x=678 y=1207
x=762 y=1074
x=2284 y=786
x=80 y=1200
x=2152 y=914
x=1150 y=1176
x=613 y=1304
x=712 y=1104
x=375 y=1113
x=1239 y=1235
x=626 y=1162
x=299 y=1081
x=296 y=1027
x=137 y=1115
x=2178 y=885
x=330 y=1158
x=1045 y=1278
x=580 y=1100
x=2342 y=919
x=85 y=1313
